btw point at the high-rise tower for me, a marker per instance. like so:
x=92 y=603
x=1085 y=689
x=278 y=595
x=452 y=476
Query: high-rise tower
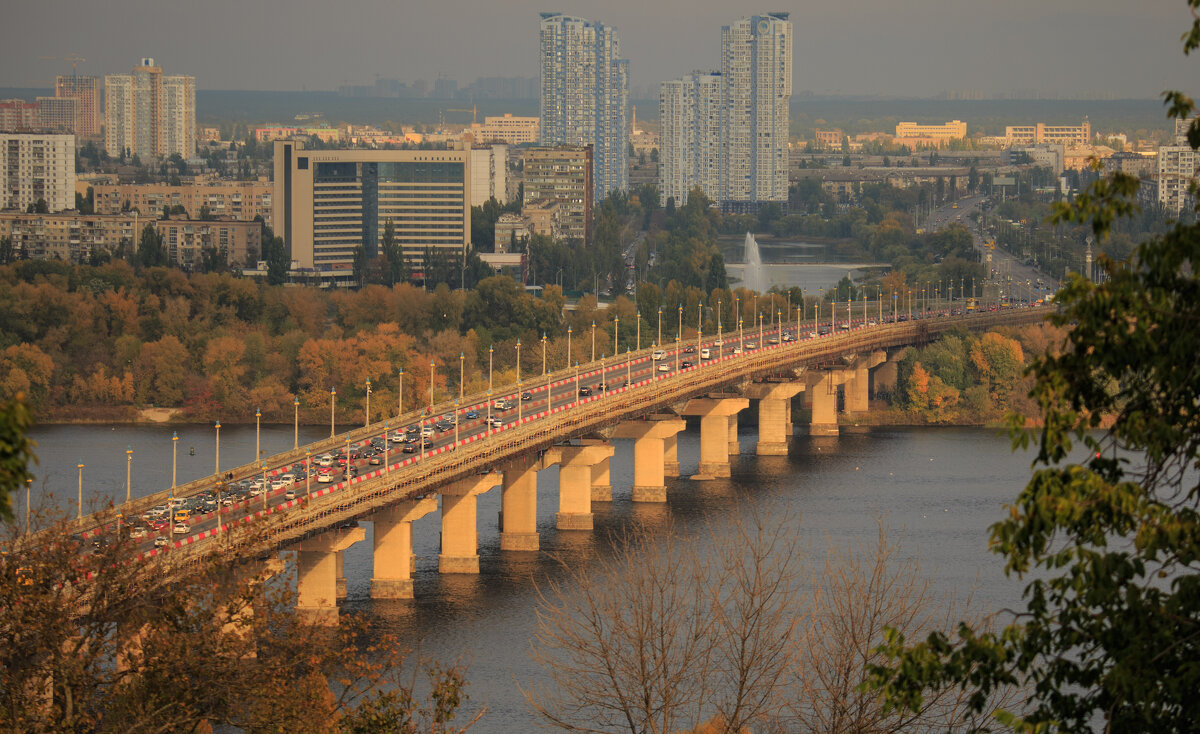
x=148 y=114
x=689 y=114
x=585 y=95
x=756 y=65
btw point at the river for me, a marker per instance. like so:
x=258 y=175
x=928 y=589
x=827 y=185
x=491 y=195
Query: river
x=940 y=488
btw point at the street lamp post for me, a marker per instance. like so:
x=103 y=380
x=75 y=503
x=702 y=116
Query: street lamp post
x=740 y=348
x=639 y=334
x=543 y=352
x=593 y=342
x=79 y=503
x=266 y=488
x=679 y=333
x=295 y=422
x=332 y=400
x=217 y=465
x=174 y=459
x=491 y=351
x=616 y=333
x=659 y=326
x=367 y=412
x=431 y=368
x=699 y=328
x=677 y=350
x=628 y=368
x=257 y=433
x=577 y=383
x=568 y=345
x=128 y=473
x=462 y=376
x=400 y=399
x=308 y=473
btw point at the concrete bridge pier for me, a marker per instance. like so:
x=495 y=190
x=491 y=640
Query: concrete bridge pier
x=774 y=415
x=575 y=482
x=715 y=415
x=649 y=454
x=460 y=534
x=821 y=392
x=316 y=573
x=518 y=505
x=601 y=482
x=885 y=377
x=393 y=553
x=858 y=382
x=671 y=456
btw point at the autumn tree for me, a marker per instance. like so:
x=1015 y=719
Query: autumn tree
x=1108 y=545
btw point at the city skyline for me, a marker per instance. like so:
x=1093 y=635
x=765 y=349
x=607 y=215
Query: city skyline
x=861 y=48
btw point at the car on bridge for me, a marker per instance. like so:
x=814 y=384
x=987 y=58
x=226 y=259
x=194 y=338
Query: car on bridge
x=664 y=367
x=584 y=391
x=495 y=421
x=161 y=541
x=685 y=364
x=658 y=355
x=471 y=414
x=526 y=395
x=181 y=528
x=427 y=431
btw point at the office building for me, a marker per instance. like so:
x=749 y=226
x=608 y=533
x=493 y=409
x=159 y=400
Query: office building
x=37 y=167
x=85 y=90
x=148 y=114
x=327 y=203
x=562 y=176
x=689 y=113
x=239 y=200
x=507 y=129
x=917 y=134
x=756 y=68
x=585 y=95
x=1070 y=136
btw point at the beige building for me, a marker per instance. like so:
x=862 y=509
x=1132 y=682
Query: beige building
x=1070 y=136
x=17 y=115
x=37 y=166
x=562 y=175
x=916 y=134
x=1177 y=170
x=327 y=203
x=507 y=129
x=74 y=237
x=85 y=90
x=239 y=200
x=546 y=218
x=489 y=174
x=829 y=139
x=148 y=114
x=511 y=228
x=57 y=114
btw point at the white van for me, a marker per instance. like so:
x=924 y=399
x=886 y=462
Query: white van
x=658 y=355
x=705 y=353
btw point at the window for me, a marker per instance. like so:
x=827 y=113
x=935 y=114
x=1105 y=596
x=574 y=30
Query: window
x=302 y=163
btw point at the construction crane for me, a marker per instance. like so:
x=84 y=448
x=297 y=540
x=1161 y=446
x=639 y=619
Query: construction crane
x=473 y=110
x=75 y=61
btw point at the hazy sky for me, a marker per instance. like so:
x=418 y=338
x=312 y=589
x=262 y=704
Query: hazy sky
x=1129 y=48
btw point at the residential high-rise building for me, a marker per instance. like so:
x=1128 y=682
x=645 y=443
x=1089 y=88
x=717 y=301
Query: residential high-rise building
x=489 y=174
x=756 y=68
x=689 y=114
x=563 y=176
x=585 y=95
x=1177 y=168
x=18 y=115
x=57 y=114
x=37 y=167
x=240 y=200
x=328 y=203
x=148 y=114
x=85 y=90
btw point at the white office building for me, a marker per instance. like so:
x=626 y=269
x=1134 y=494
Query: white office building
x=36 y=167
x=585 y=95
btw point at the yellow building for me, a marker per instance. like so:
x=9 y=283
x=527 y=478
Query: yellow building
x=239 y=200
x=1071 y=136
x=918 y=135
x=507 y=129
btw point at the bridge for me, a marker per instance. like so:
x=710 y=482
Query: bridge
x=568 y=418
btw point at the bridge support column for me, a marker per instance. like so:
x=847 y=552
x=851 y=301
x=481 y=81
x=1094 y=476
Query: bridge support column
x=518 y=505
x=715 y=414
x=601 y=482
x=774 y=415
x=394 y=561
x=734 y=447
x=858 y=384
x=885 y=376
x=649 y=454
x=575 y=482
x=341 y=576
x=316 y=573
x=821 y=388
x=671 y=456
x=460 y=535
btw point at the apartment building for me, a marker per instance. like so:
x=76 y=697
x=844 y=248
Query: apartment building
x=489 y=174
x=1176 y=171
x=85 y=90
x=17 y=115
x=238 y=200
x=689 y=113
x=148 y=114
x=507 y=129
x=327 y=203
x=37 y=166
x=585 y=95
x=563 y=176
x=187 y=239
x=1070 y=136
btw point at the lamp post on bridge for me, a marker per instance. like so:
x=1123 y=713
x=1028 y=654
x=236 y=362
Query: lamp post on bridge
x=367 y=413
x=628 y=368
x=400 y=399
x=699 y=329
x=217 y=465
x=295 y=422
x=659 y=326
x=257 y=433
x=679 y=332
x=174 y=460
x=332 y=400
x=593 y=342
x=519 y=401
x=568 y=346
x=720 y=320
x=491 y=351
x=79 y=503
x=128 y=473
x=616 y=333
x=308 y=473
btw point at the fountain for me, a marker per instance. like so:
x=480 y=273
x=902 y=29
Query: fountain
x=753 y=276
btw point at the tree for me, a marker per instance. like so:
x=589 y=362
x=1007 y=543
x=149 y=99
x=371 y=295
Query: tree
x=16 y=451
x=1112 y=627
x=150 y=252
x=276 y=256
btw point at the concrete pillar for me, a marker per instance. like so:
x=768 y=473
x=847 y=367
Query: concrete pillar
x=316 y=573
x=714 y=433
x=774 y=415
x=460 y=534
x=856 y=390
x=821 y=387
x=884 y=378
x=734 y=447
x=341 y=576
x=601 y=482
x=518 y=505
x=393 y=553
x=671 y=456
x=575 y=482
x=649 y=454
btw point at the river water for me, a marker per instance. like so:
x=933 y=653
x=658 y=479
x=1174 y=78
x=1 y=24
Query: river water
x=938 y=488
